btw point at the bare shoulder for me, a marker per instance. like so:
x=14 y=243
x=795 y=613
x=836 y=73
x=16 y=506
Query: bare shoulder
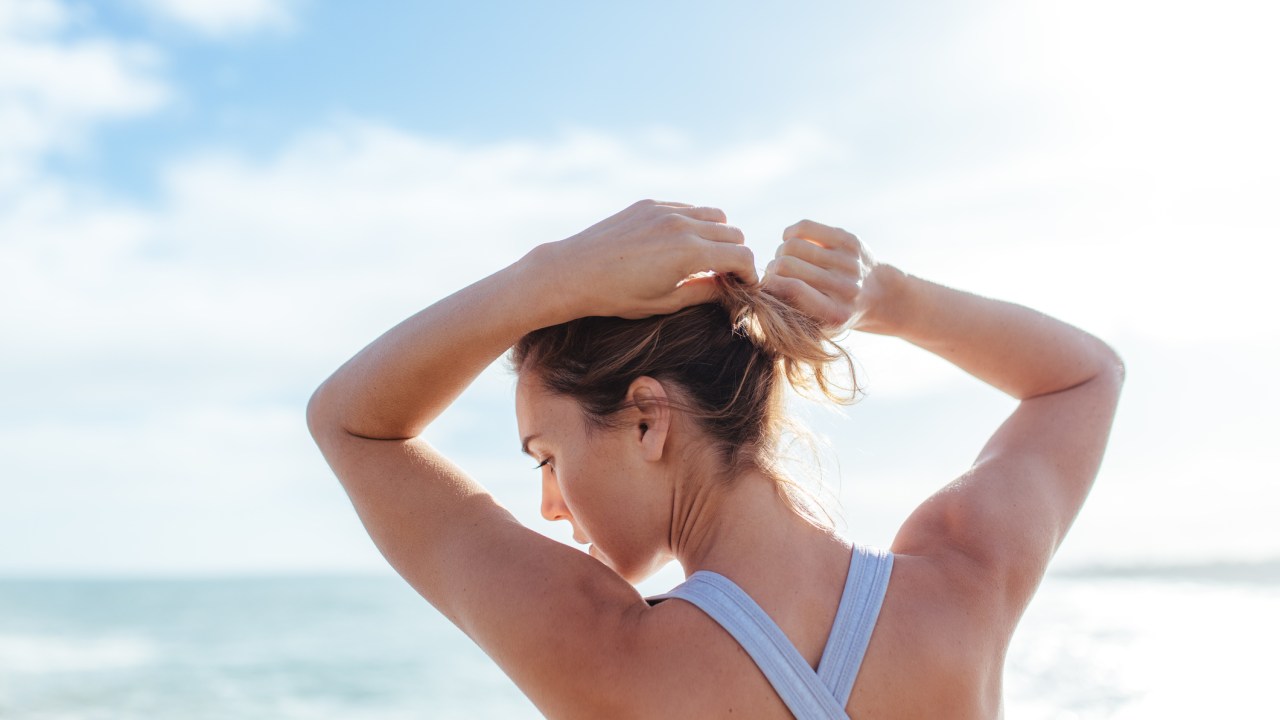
x=688 y=666
x=932 y=652
x=924 y=659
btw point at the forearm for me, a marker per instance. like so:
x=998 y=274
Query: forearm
x=400 y=382
x=1011 y=347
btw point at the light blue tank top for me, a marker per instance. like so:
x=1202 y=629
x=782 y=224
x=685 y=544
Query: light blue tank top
x=822 y=694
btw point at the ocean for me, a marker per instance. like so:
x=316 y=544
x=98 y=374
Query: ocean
x=1114 y=643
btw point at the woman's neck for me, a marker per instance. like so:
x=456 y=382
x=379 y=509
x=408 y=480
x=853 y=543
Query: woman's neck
x=739 y=528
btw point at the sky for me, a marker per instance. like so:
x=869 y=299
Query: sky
x=207 y=206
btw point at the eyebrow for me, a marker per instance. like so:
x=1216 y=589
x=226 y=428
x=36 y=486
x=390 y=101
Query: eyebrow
x=524 y=444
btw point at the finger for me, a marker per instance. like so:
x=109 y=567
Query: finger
x=729 y=259
x=803 y=297
x=815 y=254
x=709 y=214
x=794 y=267
x=695 y=292
x=719 y=232
x=825 y=235
x=664 y=203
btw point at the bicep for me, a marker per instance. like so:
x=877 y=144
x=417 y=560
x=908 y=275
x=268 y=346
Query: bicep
x=1003 y=520
x=553 y=618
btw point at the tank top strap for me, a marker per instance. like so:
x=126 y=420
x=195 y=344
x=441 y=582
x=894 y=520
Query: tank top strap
x=864 y=591
x=795 y=682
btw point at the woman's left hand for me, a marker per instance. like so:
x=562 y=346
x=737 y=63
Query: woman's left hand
x=640 y=262
x=828 y=274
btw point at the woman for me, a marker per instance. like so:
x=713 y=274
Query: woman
x=644 y=345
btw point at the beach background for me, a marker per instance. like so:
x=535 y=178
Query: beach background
x=1166 y=644
x=206 y=207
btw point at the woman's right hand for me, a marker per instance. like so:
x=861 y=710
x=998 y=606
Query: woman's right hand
x=638 y=262
x=830 y=275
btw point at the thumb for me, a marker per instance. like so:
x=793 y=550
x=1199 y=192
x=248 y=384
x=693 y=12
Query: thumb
x=696 y=292
x=771 y=283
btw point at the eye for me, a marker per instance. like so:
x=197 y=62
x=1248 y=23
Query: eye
x=545 y=462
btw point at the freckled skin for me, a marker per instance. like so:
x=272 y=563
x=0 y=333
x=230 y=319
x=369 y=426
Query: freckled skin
x=596 y=480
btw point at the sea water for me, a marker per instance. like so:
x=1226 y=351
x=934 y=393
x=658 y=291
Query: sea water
x=1093 y=645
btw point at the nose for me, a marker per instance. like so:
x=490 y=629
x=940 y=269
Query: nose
x=553 y=507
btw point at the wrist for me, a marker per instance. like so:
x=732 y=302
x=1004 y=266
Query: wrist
x=890 y=312
x=550 y=293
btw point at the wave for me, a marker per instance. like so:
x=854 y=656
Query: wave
x=38 y=654
x=1259 y=572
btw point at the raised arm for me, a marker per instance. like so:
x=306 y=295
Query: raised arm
x=1002 y=520
x=400 y=382
x=1013 y=507
x=551 y=616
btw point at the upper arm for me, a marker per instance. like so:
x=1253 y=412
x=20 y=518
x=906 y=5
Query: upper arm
x=556 y=620
x=1001 y=522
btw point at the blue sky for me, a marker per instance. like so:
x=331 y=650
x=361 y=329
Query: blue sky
x=205 y=207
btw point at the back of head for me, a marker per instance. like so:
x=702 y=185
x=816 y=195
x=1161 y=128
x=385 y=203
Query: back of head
x=727 y=360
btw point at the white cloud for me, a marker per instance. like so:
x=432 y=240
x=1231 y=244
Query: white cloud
x=166 y=350
x=55 y=88
x=221 y=18
x=23 y=17
x=255 y=278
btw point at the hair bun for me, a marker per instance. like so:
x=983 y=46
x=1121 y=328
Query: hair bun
x=790 y=337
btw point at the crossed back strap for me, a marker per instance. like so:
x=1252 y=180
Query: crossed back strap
x=818 y=695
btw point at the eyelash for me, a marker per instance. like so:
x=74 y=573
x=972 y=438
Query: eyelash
x=544 y=462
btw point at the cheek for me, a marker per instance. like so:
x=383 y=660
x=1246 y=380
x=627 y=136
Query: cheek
x=629 y=528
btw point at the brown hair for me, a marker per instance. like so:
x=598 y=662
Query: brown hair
x=726 y=358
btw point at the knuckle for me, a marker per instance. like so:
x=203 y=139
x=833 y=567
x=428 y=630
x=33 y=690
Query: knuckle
x=715 y=214
x=847 y=288
x=794 y=246
x=782 y=287
x=793 y=285
x=844 y=260
x=673 y=221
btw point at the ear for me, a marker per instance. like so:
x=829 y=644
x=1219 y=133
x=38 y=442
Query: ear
x=651 y=420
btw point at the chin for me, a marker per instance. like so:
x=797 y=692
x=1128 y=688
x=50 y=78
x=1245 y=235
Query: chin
x=632 y=573
x=595 y=552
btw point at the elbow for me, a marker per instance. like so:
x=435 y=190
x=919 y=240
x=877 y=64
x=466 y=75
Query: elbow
x=329 y=423
x=1116 y=366
x=320 y=416
x=1112 y=363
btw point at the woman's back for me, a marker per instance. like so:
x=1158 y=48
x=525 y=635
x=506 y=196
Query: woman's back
x=654 y=441
x=925 y=655
x=809 y=689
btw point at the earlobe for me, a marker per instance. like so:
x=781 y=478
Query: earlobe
x=649 y=398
